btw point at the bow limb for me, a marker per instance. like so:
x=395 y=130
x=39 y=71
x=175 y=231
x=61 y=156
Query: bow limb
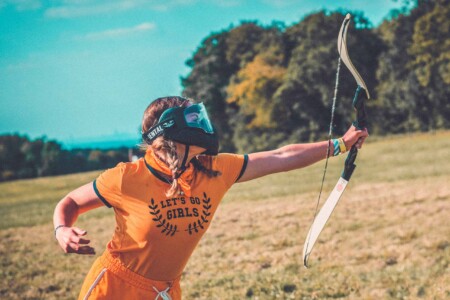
x=325 y=212
x=343 y=53
x=321 y=218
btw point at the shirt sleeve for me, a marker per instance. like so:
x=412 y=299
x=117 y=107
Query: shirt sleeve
x=232 y=166
x=108 y=186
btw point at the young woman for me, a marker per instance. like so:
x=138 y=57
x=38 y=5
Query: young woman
x=165 y=202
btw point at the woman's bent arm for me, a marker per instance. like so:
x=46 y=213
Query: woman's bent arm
x=66 y=213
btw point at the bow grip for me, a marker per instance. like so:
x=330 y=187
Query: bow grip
x=359 y=123
x=349 y=165
x=358 y=104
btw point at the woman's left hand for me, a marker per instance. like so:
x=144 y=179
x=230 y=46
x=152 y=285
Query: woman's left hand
x=355 y=137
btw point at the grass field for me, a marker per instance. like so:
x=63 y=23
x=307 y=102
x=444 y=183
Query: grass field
x=389 y=237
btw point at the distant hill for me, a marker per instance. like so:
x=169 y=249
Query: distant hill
x=22 y=157
x=103 y=142
x=111 y=144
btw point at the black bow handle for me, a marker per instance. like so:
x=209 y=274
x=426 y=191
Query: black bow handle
x=360 y=123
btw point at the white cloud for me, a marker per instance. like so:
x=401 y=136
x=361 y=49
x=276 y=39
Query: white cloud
x=23 y=66
x=281 y=3
x=119 y=32
x=227 y=3
x=80 y=8
x=65 y=9
x=21 y=5
x=167 y=5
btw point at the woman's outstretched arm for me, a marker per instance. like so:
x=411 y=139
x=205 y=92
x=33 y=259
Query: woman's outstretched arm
x=296 y=156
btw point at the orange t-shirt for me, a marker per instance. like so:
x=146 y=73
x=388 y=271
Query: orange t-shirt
x=154 y=235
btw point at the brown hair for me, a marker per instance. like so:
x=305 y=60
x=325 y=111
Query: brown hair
x=166 y=149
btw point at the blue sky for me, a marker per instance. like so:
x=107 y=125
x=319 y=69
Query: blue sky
x=77 y=69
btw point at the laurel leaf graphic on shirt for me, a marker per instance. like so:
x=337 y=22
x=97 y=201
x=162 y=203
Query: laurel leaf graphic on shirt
x=206 y=200
x=169 y=229
x=200 y=224
x=195 y=227
x=153 y=206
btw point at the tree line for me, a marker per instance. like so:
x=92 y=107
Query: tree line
x=21 y=157
x=270 y=85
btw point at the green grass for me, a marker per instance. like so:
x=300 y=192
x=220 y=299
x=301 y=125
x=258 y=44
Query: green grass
x=389 y=237
x=30 y=202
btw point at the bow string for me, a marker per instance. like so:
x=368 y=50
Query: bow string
x=325 y=212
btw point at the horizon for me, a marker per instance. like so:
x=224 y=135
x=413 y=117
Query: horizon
x=68 y=70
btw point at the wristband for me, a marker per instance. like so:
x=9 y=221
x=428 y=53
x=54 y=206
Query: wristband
x=58 y=227
x=342 y=146
x=336 y=149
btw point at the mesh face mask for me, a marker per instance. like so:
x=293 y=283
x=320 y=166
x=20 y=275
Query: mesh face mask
x=187 y=125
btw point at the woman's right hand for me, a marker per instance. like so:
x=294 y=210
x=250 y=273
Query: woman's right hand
x=71 y=240
x=78 y=201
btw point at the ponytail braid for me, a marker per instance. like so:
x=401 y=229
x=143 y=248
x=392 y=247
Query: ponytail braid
x=167 y=152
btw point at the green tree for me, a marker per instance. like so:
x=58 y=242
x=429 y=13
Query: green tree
x=32 y=151
x=413 y=73
x=97 y=159
x=271 y=85
x=207 y=82
x=304 y=99
x=430 y=51
x=51 y=158
x=214 y=65
x=11 y=156
x=254 y=87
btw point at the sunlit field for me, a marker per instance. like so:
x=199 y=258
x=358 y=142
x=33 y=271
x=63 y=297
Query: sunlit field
x=388 y=238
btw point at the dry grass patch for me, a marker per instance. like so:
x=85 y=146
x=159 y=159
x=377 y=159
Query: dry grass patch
x=381 y=243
